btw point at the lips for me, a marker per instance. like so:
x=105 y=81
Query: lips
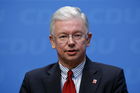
x=71 y=52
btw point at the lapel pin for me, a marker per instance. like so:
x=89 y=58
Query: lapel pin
x=94 y=81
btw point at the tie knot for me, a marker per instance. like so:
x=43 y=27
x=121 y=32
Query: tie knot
x=70 y=73
x=69 y=86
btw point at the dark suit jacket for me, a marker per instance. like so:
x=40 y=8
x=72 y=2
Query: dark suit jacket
x=110 y=79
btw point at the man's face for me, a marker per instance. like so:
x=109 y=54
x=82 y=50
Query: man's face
x=70 y=39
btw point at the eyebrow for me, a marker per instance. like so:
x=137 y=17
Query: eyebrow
x=73 y=33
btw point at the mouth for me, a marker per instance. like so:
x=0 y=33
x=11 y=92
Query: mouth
x=71 y=52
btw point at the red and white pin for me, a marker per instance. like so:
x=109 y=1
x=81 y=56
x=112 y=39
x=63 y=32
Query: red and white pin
x=94 y=81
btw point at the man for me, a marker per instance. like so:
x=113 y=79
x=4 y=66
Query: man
x=74 y=72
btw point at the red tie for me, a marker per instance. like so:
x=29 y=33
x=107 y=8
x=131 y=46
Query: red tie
x=69 y=86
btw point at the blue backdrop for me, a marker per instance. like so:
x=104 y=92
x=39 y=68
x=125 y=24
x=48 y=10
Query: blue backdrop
x=24 y=42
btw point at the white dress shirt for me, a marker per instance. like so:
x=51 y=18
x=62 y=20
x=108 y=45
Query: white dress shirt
x=77 y=75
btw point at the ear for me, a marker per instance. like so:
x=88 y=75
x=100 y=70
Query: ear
x=89 y=36
x=52 y=41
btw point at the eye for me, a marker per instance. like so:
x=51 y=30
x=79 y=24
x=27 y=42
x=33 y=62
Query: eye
x=62 y=36
x=77 y=36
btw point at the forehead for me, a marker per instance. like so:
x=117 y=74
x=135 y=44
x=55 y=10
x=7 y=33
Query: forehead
x=69 y=26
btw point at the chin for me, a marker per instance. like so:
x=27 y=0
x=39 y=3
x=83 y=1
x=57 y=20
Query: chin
x=72 y=58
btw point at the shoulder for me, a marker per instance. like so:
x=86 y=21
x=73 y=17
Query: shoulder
x=108 y=72
x=101 y=66
x=41 y=72
x=105 y=69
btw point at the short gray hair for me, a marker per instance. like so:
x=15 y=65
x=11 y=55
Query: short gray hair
x=66 y=13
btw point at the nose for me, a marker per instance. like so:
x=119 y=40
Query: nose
x=71 y=42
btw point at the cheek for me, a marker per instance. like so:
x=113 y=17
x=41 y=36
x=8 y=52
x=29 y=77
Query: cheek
x=60 y=47
x=60 y=51
x=82 y=45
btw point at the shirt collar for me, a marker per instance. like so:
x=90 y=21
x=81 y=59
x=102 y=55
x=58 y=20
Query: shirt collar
x=76 y=71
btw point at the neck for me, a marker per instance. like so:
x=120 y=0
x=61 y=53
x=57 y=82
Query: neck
x=70 y=64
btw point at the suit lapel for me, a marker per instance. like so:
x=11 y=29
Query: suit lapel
x=91 y=78
x=52 y=81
